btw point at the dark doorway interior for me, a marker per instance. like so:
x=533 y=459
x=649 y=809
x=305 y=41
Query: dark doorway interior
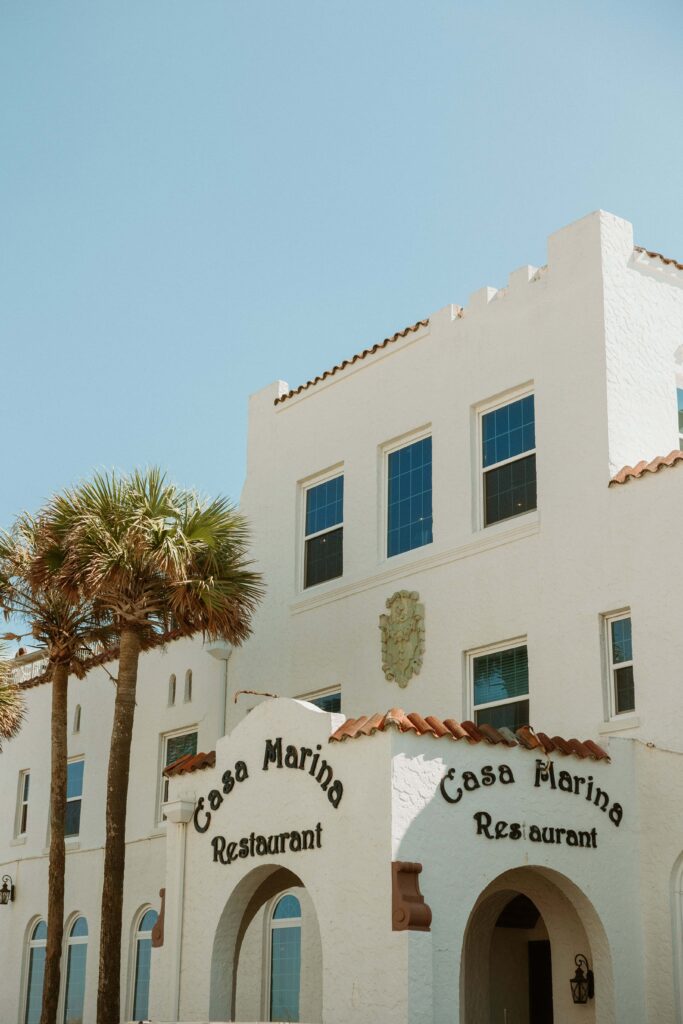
x=540 y=983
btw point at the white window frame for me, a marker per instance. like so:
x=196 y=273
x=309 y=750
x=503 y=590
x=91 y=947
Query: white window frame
x=387 y=449
x=482 y=408
x=22 y=802
x=479 y=652
x=71 y=799
x=304 y=487
x=162 y=785
x=29 y=945
x=270 y=926
x=612 y=666
x=135 y=936
x=69 y=940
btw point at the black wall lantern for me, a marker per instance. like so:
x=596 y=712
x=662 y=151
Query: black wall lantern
x=6 y=890
x=583 y=982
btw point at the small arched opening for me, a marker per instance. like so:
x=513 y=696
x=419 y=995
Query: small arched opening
x=267 y=959
x=520 y=942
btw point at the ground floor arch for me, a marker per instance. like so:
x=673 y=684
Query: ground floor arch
x=519 y=949
x=266 y=959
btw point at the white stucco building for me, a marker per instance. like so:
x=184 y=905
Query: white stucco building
x=466 y=486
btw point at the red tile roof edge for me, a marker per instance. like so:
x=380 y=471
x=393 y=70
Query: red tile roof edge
x=191 y=763
x=526 y=737
x=639 y=470
x=658 y=256
x=354 y=359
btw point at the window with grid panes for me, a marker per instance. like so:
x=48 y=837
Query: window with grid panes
x=500 y=685
x=620 y=647
x=409 y=499
x=175 y=746
x=74 y=794
x=509 y=460
x=285 y=959
x=324 y=532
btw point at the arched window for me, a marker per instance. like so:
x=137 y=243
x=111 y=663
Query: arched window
x=77 y=718
x=77 y=950
x=36 y=973
x=143 y=958
x=285 y=959
x=171 y=690
x=188 y=686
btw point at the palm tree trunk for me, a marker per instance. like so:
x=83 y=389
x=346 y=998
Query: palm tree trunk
x=55 y=882
x=109 y=985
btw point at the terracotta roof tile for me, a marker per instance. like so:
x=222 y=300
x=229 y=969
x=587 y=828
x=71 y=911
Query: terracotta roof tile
x=658 y=256
x=635 y=472
x=354 y=359
x=191 y=763
x=449 y=727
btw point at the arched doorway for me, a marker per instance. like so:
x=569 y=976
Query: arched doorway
x=267 y=956
x=521 y=938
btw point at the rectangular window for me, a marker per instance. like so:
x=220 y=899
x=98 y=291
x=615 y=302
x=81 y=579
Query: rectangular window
x=508 y=438
x=679 y=396
x=173 y=747
x=22 y=803
x=323 y=557
x=74 y=794
x=409 y=502
x=500 y=686
x=620 y=659
x=329 y=701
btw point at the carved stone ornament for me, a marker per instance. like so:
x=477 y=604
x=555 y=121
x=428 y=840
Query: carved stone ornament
x=403 y=637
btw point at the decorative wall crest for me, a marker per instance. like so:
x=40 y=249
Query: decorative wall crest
x=403 y=636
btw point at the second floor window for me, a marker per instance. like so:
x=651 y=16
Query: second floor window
x=173 y=747
x=620 y=658
x=500 y=686
x=74 y=795
x=508 y=437
x=409 y=500
x=22 y=803
x=324 y=532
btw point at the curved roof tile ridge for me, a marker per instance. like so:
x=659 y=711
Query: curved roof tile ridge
x=635 y=472
x=354 y=359
x=450 y=728
x=658 y=256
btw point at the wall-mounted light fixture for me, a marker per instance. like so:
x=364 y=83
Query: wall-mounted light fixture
x=6 y=890
x=583 y=982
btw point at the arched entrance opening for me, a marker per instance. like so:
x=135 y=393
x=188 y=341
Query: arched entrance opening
x=521 y=939
x=267 y=957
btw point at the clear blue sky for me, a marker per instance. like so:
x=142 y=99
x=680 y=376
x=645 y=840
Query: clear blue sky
x=199 y=197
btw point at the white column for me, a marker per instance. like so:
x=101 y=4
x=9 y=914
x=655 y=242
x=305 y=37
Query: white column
x=178 y=813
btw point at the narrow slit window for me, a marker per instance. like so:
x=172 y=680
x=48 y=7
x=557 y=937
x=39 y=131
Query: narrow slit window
x=171 y=690
x=74 y=796
x=188 y=687
x=22 y=809
x=77 y=718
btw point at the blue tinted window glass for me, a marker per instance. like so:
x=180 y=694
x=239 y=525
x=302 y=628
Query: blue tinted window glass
x=622 y=648
x=80 y=928
x=288 y=906
x=324 y=505
x=40 y=931
x=75 y=983
x=330 y=702
x=74 y=779
x=508 y=431
x=34 y=991
x=72 y=821
x=148 y=921
x=285 y=973
x=143 y=962
x=410 y=497
x=501 y=675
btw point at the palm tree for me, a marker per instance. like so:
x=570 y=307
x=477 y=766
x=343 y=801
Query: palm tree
x=161 y=563
x=12 y=707
x=67 y=629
